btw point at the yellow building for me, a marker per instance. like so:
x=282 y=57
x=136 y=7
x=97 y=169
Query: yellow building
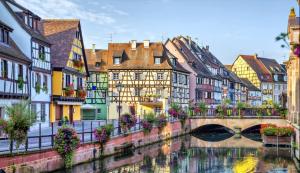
x=69 y=68
x=249 y=67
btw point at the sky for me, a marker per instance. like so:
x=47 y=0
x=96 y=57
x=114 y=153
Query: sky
x=229 y=27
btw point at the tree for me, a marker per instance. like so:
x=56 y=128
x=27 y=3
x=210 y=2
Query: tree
x=283 y=37
x=19 y=121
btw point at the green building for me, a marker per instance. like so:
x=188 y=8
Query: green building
x=95 y=106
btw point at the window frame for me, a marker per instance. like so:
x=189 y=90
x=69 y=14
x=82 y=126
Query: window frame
x=157 y=60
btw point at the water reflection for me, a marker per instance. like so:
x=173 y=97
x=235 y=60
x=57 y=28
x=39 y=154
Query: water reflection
x=190 y=154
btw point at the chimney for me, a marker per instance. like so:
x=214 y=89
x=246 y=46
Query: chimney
x=146 y=43
x=255 y=55
x=93 y=47
x=133 y=44
x=189 y=40
x=207 y=47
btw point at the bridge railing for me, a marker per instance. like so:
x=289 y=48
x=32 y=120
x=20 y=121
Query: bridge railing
x=242 y=113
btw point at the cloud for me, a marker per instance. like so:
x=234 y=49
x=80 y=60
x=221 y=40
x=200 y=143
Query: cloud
x=70 y=9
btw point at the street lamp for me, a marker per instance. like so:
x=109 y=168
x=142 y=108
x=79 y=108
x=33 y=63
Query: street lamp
x=119 y=89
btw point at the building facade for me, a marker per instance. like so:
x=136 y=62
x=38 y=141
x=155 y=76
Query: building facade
x=14 y=71
x=36 y=47
x=151 y=79
x=264 y=74
x=69 y=68
x=293 y=71
x=96 y=103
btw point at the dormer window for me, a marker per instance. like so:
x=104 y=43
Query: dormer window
x=117 y=60
x=4 y=36
x=157 y=60
x=174 y=61
x=78 y=34
x=97 y=64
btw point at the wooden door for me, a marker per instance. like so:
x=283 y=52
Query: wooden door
x=71 y=111
x=58 y=112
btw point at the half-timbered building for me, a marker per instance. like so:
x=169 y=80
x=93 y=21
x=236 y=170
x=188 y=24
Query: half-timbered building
x=69 y=68
x=150 y=76
x=95 y=106
x=27 y=36
x=14 y=71
x=250 y=67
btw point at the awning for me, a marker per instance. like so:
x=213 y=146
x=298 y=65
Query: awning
x=68 y=103
x=87 y=106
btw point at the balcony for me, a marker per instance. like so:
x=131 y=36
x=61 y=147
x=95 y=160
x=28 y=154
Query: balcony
x=151 y=100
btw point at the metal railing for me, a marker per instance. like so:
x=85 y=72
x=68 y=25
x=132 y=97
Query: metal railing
x=42 y=138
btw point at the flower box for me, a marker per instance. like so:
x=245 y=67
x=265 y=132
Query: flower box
x=276 y=140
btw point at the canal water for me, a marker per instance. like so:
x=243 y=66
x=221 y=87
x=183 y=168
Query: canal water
x=205 y=152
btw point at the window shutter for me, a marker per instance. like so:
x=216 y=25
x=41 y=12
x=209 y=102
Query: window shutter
x=64 y=80
x=76 y=82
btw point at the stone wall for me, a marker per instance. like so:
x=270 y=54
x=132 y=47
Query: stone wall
x=49 y=160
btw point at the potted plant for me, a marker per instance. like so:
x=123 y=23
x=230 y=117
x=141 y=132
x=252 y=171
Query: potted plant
x=127 y=121
x=147 y=122
x=69 y=90
x=37 y=88
x=45 y=88
x=102 y=134
x=66 y=142
x=18 y=124
x=174 y=110
x=241 y=107
x=81 y=93
x=203 y=108
x=77 y=63
x=20 y=82
x=274 y=135
x=161 y=122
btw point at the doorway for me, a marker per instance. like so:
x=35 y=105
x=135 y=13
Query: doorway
x=58 y=112
x=71 y=111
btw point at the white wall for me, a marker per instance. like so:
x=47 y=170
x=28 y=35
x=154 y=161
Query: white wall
x=20 y=36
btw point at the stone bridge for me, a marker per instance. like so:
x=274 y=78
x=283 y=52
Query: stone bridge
x=236 y=124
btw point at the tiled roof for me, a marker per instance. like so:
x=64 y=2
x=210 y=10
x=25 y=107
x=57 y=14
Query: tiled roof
x=13 y=51
x=260 y=69
x=61 y=34
x=140 y=58
x=249 y=85
x=191 y=59
x=272 y=65
x=96 y=56
x=34 y=33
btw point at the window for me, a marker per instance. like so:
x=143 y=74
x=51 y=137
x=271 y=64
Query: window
x=20 y=71
x=42 y=52
x=276 y=77
x=115 y=76
x=78 y=34
x=97 y=64
x=117 y=60
x=185 y=80
x=157 y=60
x=45 y=81
x=4 y=69
x=285 y=78
x=137 y=91
x=159 y=91
x=43 y=112
x=174 y=77
x=4 y=36
x=76 y=56
x=98 y=111
x=33 y=109
x=68 y=80
x=160 y=76
x=79 y=83
x=137 y=76
x=38 y=79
